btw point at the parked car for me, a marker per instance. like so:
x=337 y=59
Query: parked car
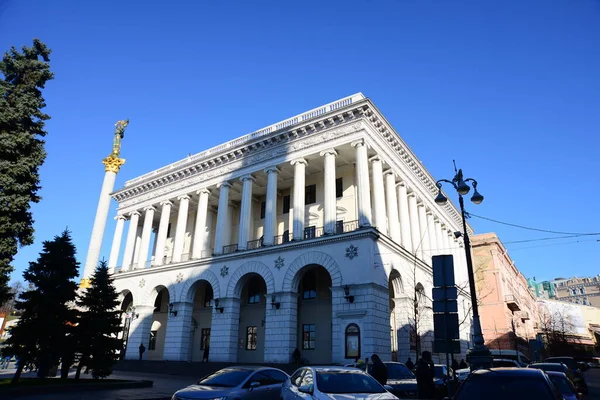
x=401 y=380
x=252 y=383
x=462 y=374
x=511 y=355
x=328 y=382
x=554 y=367
x=508 y=383
x=505 y=363
x=564 y=385
x=578 y=379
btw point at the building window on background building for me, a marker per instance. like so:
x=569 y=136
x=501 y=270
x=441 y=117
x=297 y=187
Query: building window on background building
x=352 y=339
x=309 y=286
x=310 y=194
x=286 y=204
x=308 y=336
x=339 y=188
x=152 y=342
x=263 y=209
x=251 y=337
x=582 y=290
x=205 y=338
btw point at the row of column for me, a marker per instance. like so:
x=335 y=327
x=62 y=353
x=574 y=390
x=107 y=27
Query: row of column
x=395 y=212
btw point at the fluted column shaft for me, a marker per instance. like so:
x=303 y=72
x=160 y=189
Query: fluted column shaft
x=134 y=219
x=146 y=233
x=380 y=217
x=222 y=211
x=116 y=244
x=392 y=206
x=271 y=206
x=200 y=225
x=245 y=211
x=425 y=247
x=362 y=183
x=298 y=200
x=330 y=203
x=446 y=239
x=431 y=232
x=439 y=241
x=161 y=235
x=182 y=217
x=404 y=217
x=415 y=232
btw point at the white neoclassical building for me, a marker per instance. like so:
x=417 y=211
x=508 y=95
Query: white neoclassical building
x=311 y=233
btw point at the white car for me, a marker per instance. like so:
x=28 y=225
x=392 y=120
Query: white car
x=462 y=374
x=333 y=383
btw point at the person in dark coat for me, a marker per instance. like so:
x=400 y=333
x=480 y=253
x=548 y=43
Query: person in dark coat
x=425 y=373
x=409 y=364
x=296 y=356
x=455 y=366
x=463 y=364
x=379 y=370
x=142 y=349
x=205 y=354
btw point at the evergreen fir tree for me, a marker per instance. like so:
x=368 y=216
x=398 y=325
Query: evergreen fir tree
x=22 y=75
x=41 y=333
x=99 y=324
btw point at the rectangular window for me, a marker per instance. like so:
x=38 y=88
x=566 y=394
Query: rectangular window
x=310 y=194
x=205 y=338
x=152 y=343
x=263 y=209
x=308 y=336
x=310 y=232
x=339 y=226
x=286 y=204
x=339 y=187
x=251 y=337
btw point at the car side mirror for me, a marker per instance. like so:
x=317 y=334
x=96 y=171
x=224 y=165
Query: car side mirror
x=306 y=389
x=254 y=384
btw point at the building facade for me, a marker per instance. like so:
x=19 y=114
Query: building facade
x=508 y=309
x=543 y=289
x=584 y=291
x=312 y=233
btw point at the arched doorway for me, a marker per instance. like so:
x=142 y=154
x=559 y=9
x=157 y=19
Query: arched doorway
x=314 y=315
x=158 y=329
x=251 y=335
x=201 y=319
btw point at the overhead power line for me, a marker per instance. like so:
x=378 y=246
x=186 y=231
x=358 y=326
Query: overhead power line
x=536 y=229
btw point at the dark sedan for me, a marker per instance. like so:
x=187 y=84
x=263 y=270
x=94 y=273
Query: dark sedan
x=402 y=381
x=564 y=385
x=251 y=383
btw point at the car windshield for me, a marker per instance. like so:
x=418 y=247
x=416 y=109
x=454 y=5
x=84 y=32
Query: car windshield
x=396 y=371
x=228 y=377
x=562 y=383
x=493 y=386
x=347 y=382
x=498 y=363
x=548 y=367
x=569 y=362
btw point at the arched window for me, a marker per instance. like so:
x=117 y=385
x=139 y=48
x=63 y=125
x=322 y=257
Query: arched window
x=208 y=295
x=254 y=290
x=309 y=286
x=352 y=341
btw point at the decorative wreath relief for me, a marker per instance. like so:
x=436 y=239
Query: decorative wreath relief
x=142 y=283
x=279 y=263
x=179 y=278
x=351 y=251
x=224 y=271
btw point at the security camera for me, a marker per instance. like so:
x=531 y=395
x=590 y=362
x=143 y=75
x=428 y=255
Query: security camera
x=457 y=234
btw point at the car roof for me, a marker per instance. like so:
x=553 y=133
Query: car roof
x=510 y=371
x=560 y=358
x=504 y=359
x=546 y=363
x=250 y=367
x=334 y=368
x=556 y=373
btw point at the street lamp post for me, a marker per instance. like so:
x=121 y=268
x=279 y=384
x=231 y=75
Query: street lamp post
x=479 y=356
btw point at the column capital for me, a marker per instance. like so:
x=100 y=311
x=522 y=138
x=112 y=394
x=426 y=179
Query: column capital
x=358 y=143
x=136 y=212
x=428 y=212
x=376 y=158
x=402 y=184
x=148 y=208
x=120 y=217
x=247 y=177
x=411 y=194
x=389 y=172
x=166 y=203
x=183 y=197
x=420 y=204
x=223 y=184
x=328 y=151
x=202 y=191
x=444 y=227
x=272 y=169
x=300 y=160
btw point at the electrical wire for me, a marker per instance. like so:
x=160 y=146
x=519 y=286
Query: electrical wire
x=553 y=244
x=542 y=239
x=534 y=229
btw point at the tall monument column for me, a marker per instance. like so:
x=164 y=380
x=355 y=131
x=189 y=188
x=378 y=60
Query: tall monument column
x=112 y=164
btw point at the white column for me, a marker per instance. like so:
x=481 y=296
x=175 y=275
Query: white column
x=446 y=238
x=222 y=216
x=182 y=217
x=415 y=232
x=392 y=206
x=298 y=200
x=425 y=248
x=177 y=336
x=380 y=217
x=136 y=247
x=271 y=207
x=404 y=217
x=330 y=201
x=134 y=218
x=116 y=244
x=161 y=236
x=439 y=240
x=146 y=233
x=210 y=221
x=200 y=229
x=93 y=254
x=139 y=332
x=433 y=248
x=245 y=211
x=362 y=181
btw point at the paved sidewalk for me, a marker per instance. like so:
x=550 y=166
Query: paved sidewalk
x=163 y=388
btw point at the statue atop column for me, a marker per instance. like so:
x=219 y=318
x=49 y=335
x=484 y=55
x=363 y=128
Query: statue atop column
x=113 y=162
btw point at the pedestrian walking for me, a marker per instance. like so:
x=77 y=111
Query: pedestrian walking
x=142 y=349
x=379 y=370
x=296 y=356
x=425 y=374
x=409 y=364
x=205 y=354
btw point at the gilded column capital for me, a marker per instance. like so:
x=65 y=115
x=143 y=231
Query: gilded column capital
x=85 y=283
x=113 y=163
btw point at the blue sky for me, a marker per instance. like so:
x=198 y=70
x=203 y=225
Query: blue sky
x=510 y=89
